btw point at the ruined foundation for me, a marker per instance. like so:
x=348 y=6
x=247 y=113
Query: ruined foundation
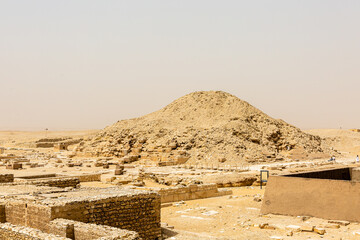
x=132 y=214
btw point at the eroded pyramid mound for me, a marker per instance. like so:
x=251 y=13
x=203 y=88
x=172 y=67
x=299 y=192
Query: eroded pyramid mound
x=207 y=127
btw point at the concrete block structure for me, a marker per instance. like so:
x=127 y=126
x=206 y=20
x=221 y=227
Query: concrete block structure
x=329 y=194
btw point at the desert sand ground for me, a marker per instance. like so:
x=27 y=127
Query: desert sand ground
x=20 y=138
x=344 y=140
x=228 y=217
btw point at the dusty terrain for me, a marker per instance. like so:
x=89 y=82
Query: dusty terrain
x=219 y=139
x=238 y=217
x=346 y=141
x=235 y=216
x=24 y=138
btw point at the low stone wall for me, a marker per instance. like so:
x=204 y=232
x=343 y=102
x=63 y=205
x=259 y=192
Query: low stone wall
x=5 y=178
x=61 y=182
x=89 y=177
x=37 y=176
x=128 y=209
x=139 y=213
x=2 y=213
x=12 y=232
x=230 y=179
x=28 y=214
x=191 y=192
x=83 y=231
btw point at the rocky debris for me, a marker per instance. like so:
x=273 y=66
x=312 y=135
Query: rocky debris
x=293 y=228
x=119 y=169
x=165 y=225
x=213 y=127
x=304 y=218
x=257 y=198
x=265 y=226
x=331 y=225
x=276 y=237
x=306 y=228
x=14 y=166
x=139 y=181
x=340 y=222
x=319 y=230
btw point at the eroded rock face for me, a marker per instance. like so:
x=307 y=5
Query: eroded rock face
x=209 y=126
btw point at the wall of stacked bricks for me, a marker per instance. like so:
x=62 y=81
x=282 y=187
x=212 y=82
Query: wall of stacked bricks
x=85 y=231
x=139 y=213
x=92 y=177
x=5 y=178
x=28 y=214
x=190 y=192
x=2 y=213
x=35 y=176
x=89 y=177
x=12 y=232
x=61 y=182
x=163 y=155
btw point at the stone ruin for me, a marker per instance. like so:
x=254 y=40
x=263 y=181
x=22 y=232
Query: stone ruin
x=56 y=143
x=54 y=208
x=119 y=169
x=60 y=147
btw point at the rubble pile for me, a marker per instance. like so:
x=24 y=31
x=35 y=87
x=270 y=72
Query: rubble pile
x=211 y=127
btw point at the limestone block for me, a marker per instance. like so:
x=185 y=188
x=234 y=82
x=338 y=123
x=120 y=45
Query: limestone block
x=319 y=230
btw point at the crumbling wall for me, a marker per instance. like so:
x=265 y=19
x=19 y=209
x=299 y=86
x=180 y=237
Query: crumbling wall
x=4 y=178
x=15 y=212
x=28 y=214
x=139 y=213
x=61 y=182
x=323 y=198
x=94 y=177
x=190 y=192
x=36 y=176
x=11 y=232
x=2 y=213
x=37 y=216
x=85 y=231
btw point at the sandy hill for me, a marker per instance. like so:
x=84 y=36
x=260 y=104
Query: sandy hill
x=346 y=141
x=207 y=126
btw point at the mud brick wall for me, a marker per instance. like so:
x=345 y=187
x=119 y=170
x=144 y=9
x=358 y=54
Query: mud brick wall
x=12 y=232
x=15 y=212
x=190 y=192
x=139 y=213
x=90 y=177
x=82 y=231
x=62 y=182
x=19 y=212
x=2 y=213
x=35 y=176
x=4 y=178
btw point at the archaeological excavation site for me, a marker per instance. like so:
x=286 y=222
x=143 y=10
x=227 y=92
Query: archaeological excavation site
x=191 y=170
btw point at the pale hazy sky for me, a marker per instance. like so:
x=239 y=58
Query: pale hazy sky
x=85 y=64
